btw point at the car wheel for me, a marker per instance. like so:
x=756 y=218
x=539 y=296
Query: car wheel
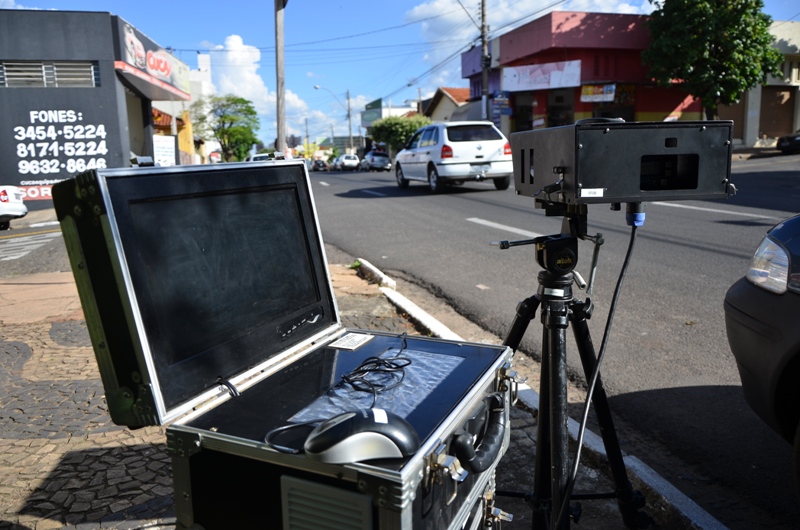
x=5 y=225
x=502 y=183
x=402 y=182
x=435 y=183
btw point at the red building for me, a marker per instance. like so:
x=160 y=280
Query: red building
x=566 y=66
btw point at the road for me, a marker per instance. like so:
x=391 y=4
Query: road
x=673 y=385
x=672 y=382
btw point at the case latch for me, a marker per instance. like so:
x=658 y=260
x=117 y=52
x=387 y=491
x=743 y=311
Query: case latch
x=441 y=466
x=507 y=382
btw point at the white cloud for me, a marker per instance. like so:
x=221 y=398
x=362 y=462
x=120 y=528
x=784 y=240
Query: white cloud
x=11 y=4
x=234 y=68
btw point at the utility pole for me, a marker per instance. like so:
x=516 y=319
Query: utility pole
x=350 y=121
x=280 y=144
x=486 y=62
x=305 y=147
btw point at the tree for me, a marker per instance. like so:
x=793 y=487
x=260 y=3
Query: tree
x=395 y=131
x=716 y=50
x=230 y=119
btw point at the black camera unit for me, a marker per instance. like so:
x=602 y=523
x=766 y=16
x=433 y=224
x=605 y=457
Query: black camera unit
x=603 y=160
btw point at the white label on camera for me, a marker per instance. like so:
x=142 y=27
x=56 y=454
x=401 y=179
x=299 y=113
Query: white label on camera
x=592 y=192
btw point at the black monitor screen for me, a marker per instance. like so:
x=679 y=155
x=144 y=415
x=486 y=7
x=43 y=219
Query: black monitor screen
x=226 y=273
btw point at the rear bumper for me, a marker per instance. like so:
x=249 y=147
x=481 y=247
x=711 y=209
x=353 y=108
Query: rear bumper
x=474 y=170
x=764 y=337
x=12 y=211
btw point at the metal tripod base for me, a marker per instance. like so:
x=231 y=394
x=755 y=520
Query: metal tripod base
x=558 y=310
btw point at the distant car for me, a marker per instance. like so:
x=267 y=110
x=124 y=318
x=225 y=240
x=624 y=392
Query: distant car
x=319 y=165
x=376 y=161
x=348 y=162
x=789 y=143
x=12 y=205
x=762 y=312
x=336 y=165
x=455 y=152
x=258 y=156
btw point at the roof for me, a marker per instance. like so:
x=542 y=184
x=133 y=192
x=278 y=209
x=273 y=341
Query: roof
x=458 y=96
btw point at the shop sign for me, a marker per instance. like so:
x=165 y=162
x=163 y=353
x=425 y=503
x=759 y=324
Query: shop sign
x=54 y=144
x=598 y=93
x=164 y=150
x=151 y=68
x=562 y=74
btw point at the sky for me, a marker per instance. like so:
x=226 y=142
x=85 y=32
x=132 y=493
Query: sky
x=399 y=51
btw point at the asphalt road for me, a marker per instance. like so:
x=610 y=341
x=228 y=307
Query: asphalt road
x=672 y=382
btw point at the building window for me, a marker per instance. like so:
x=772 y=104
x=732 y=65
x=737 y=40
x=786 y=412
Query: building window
x=49 y=74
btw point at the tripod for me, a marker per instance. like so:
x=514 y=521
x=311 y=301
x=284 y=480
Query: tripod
x=558 y=256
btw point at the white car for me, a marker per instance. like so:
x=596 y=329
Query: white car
x=349 y=162
x=455 y=152
x=12 y=205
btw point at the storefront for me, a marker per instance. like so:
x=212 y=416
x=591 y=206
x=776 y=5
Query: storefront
x=78 y=96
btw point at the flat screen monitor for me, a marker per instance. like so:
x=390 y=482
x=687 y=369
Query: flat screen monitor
x=226 y=266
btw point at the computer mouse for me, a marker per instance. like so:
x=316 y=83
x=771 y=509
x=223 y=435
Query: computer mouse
x=366 y=434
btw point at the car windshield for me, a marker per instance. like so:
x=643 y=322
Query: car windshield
x=472 y=133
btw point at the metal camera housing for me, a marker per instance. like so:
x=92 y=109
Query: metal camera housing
x=613 y=161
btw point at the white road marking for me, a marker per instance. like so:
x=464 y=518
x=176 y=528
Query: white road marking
x=713 y=210
x=18 y=247
x=505 y=228
x=482 y=287
x=323 y=183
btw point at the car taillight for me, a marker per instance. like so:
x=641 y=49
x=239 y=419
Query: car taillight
x=3 y=196
x=507 y=149
x=447 y=151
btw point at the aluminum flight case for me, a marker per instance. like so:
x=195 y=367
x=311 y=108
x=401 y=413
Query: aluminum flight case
x=209 y=304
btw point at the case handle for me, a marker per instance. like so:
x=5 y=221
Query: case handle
x=479 y=459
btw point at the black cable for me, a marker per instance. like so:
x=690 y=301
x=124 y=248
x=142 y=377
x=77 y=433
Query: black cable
x=283 y=449
x=595 y=376
x=371 y=366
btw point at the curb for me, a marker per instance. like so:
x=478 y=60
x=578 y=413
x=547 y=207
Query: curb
x=680 y=509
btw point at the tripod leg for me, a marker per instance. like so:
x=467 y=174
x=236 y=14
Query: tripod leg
x=526 y=310
x=628 y=500
x=555 y=328
x=541 y=475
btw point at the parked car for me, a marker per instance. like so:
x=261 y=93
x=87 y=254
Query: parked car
x=258 y=156
x=455 y=152
x=319 y=165
x=12 y=205
x=336 y=165
x=349 y=162
x=376 y=161
x=762 y=312
x=789 y=143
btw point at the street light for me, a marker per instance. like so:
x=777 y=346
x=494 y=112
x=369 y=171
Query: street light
x=347 y=108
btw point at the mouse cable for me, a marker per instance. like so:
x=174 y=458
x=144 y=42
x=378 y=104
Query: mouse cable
x=281 y=448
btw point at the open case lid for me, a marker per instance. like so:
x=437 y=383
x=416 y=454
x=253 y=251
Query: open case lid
x=193 y=278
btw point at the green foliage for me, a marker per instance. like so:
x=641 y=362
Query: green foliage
x=230 y=119
x=395 y=131
x=715 y=49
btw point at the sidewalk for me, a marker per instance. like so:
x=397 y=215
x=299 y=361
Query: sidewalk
x=63 y=464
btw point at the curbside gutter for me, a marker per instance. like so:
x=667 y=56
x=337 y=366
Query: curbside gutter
x=675 y=507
